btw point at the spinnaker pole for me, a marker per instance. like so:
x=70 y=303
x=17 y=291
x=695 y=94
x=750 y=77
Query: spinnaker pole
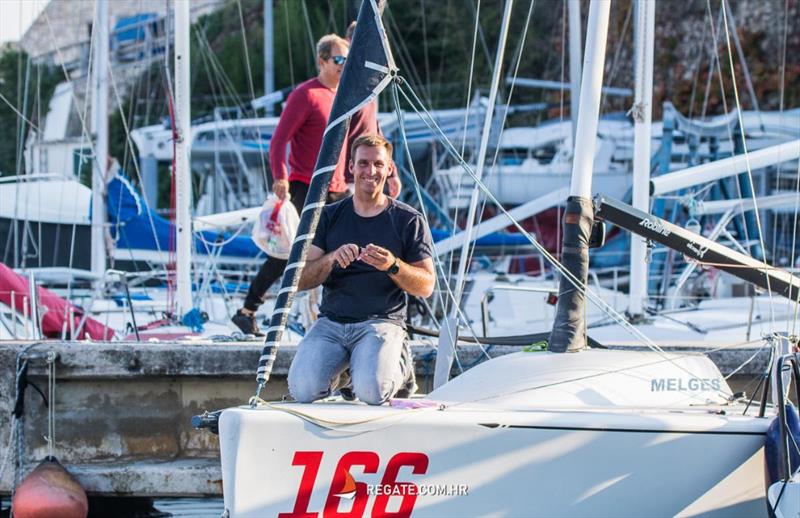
x=568 y=333
x=369 y=69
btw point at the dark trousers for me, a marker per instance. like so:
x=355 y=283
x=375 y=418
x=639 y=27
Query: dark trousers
x=272 y=269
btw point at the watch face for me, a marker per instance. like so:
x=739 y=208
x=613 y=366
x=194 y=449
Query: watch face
x=393 y=268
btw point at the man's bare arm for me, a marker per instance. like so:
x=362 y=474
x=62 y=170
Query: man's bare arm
x=318 y=267
x=416 y=278
x=319 y=264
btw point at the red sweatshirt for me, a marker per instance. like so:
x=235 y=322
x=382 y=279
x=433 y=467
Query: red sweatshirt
x=302 y=125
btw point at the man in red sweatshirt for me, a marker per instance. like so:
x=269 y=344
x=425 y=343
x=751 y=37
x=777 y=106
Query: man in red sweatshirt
x=301 y=125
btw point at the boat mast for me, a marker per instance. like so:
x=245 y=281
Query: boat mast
x=100 y=123
x=568 y=327
x=644 y=34
x=183 y=183
x=269 y=58
x=447 y=338
x=574 y=62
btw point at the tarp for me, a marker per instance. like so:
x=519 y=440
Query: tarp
x=137 y=227
x=54 y=309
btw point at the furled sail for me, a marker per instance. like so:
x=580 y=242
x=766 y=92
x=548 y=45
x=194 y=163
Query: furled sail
x=369 y=69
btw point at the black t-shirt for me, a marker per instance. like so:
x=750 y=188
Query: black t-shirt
x=361 y=292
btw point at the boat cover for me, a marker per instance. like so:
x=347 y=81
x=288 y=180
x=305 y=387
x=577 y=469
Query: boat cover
x=136 y=226
x=54 y=317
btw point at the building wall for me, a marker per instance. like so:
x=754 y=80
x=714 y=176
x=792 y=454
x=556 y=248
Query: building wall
x=62 y=31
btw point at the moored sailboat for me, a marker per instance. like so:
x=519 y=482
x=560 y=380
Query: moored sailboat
x=596 y=433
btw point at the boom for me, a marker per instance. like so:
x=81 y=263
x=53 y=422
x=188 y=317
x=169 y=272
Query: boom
x=696 y=247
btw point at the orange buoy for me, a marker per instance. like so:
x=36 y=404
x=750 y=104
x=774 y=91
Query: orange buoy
x=49 y=490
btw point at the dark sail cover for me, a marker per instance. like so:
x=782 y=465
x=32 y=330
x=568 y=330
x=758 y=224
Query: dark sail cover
x=368 y=70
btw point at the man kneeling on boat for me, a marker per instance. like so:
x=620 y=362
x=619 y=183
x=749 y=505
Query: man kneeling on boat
x=368 y=252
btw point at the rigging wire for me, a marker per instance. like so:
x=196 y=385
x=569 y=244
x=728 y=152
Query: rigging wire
x=215 y=84
x=425 y=47
x=309 y=33
x=331 y=18
x=428 y=119
x=85 y=134
x=442 y=53
x=400 y=51
x=288 y=40
x=436 y=260
x=451 y=256
x=219 y=69
x=482 y=36
x=615 y=62
x=471 y=75
x=715 y=35
x=696 y=73
x=252 y=95
x=129 y=146
x=747 y=159
x=782 y=88
x=561 y=96
x=18 y=113
x=713 y=63
x=22 y=92
x=493 y=168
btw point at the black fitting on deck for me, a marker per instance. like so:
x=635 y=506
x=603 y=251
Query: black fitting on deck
x=207 y=420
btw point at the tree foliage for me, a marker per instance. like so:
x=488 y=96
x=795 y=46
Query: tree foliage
x=17 y=72
x=432 y=42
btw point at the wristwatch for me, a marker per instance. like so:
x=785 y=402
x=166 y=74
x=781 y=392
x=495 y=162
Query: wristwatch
x=394 y=268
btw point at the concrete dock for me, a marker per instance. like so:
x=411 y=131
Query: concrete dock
x=123 y=410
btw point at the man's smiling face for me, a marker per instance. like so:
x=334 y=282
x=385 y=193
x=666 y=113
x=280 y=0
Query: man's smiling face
x=370 y=167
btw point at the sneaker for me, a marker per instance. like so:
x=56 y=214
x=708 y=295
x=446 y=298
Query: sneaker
x=345 y=384
x=247 y=324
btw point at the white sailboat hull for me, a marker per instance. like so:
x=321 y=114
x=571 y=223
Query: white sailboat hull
x=476 y=459
x=537 y=464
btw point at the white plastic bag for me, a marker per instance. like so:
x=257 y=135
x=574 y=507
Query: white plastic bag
x=276 y=227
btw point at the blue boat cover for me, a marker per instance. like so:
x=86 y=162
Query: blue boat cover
x=495 y=239
x=138 y=227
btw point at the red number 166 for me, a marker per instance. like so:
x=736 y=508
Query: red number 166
x=370 y=462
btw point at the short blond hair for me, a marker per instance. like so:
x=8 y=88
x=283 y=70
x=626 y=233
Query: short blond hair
x=326 y=43
x=370 y=140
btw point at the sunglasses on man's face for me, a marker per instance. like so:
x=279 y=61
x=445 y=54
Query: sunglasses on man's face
x=338 y=60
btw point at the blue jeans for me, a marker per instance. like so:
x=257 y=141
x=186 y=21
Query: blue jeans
x=372 y=350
